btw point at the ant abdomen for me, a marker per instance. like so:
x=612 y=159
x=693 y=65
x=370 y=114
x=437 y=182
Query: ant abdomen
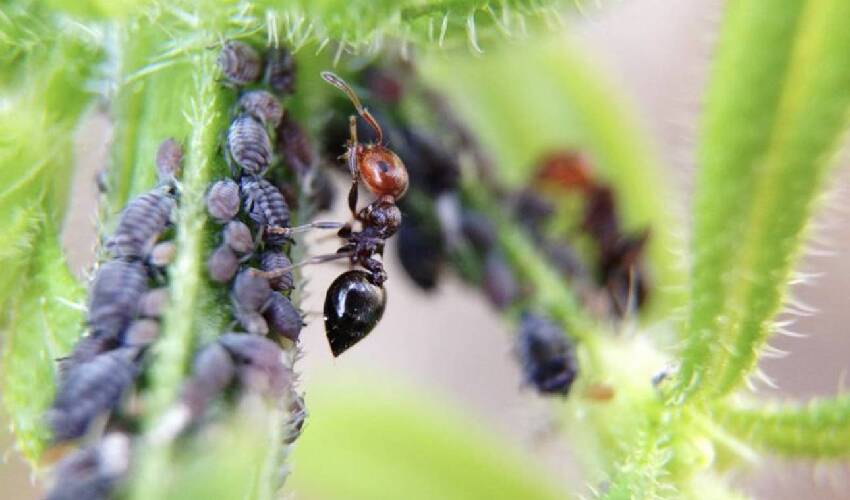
x=353 y=306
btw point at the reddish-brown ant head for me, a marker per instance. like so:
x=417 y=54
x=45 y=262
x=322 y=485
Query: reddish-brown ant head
x=382 y=171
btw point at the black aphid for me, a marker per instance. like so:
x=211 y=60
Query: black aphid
x=263 y=106
x=275 y=259
x=420 y=249
x=280 y=71
x=238 y=237
x=248 y=145
x=294 y=147
x=353 y=306
x=91 y=390
x=114 y=297
x=91 y=473
x=169 y=159
x=223 y=200
x=499 y=283
x=282 y=317
x=141 y=223
x=239 y=62
x=545 y=355
x=222 y=264
x=266 y=206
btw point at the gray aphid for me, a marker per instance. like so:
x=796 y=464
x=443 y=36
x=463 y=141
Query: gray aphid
x=163 y=253
x=223 y=200
x=169 y=158
x=91 y=473
x=283 y=318
x=258 y=363
x=271 y=260
x=114 y=297
x=251 y=292
x=154 y=302
x=141 y=223
x=238 y=237
x=90 y=390
x=142 y=333
x=222 y=264
x=239 y=62
x=249 y=145
x=266 y=206
x=262 y=105
x=212 y=371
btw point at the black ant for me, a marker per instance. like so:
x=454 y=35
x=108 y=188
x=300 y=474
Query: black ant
x=355 y=301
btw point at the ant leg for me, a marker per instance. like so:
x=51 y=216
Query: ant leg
x=351 y=158
x=319 y=259
x=289 y=231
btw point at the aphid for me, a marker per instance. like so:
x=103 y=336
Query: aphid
x=534 y=210
x=222 y=264
x=169 y=158
x=420 y=249
x=212 y=371
x=274 y=259
x=294 y=147
x=282 y=317
x=143 y=220
x=263 y=106
x=91 y=473
x=163 y=254
x=239 y=62
x=249 y=146
x=252 y=321
x=479 y=231
x=266 y=206
x=238 y=237
x=153 y=303
x=223 y=200
x=142 y=333
x=353 y=306
x=89 y=391
x=430 y=166
x=545 y=355
x=85 y=350
x=251 y=291
x=114 y=297
x=280 y=71
x=499 y=283
x=258 y=363
x=297 y=416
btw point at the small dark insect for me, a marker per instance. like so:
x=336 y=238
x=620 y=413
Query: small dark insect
x=90 y=390
x=263 y=106
x=534 y=210
x=623 y=273
x=479 y=231
x=294 y=147
x=499 y=283
x=274 y=259
x=114 y=297
x=545 y=355
x=282 y=317
x=143 y=220
x=421 y=250
x=238 y=237
x=259 y=364
x=223 y=200
x=564 y=259
x=154 y=302
x=266 y=206
x=239 y=62
x=297 y=416
x=163 y=254
x=142 y=333
x=91 y=473
x=169 y=158
x=248 y=146
x=222 y=264
x=251 y=291
x=353 y=306
x=280 y=71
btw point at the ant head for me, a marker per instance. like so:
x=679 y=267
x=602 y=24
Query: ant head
x=339 y=83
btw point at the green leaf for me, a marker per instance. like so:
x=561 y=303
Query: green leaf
x=43 y=320
x=527 y=100
x=818 y=429
x=368 y=441
x=776 y=110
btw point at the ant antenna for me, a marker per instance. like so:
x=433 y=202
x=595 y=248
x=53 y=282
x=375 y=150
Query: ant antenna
x=339 y=83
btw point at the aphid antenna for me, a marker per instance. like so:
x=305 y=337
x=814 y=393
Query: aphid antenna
x=339 y=83
x=319 y=259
